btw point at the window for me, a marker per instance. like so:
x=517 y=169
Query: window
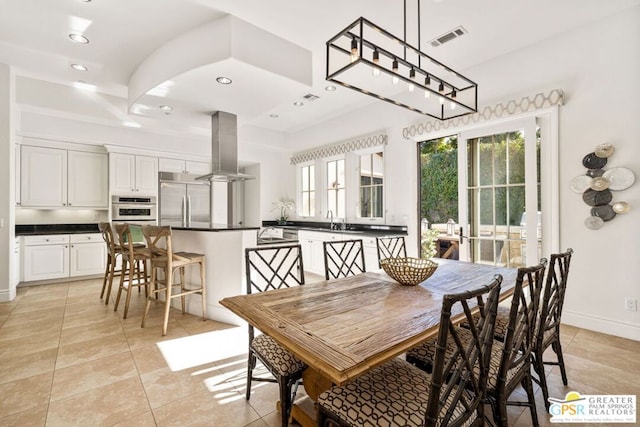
x=336 y=188
x=308 y=190
x=371 y=185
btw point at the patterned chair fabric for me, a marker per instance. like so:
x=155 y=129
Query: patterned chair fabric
x=547 y=333
x=397 y=393
x=510 y=363
x=343 y=258
x=269 y=268
x=391 y=247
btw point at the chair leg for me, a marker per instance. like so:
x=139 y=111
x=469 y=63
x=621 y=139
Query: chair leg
x=557 y=348
x=527 y=384
x=203 y=293
x=538 y=366
x=284 y=383
x=122 y=274
x=182 y=297
x=133 y=271
x=500 y=413
x=106 y=276
x=112 y=272
x=251 y=364
x=151 y=294
x=167 y=301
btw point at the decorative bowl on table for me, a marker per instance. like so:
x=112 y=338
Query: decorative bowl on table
x=409 y=271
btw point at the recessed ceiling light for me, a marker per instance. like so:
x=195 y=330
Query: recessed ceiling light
x=78 y=38
x=298 y=104
x=79 y=67
x=274 y=116
x=166 y=108
x=224 y=80
x=330 y=88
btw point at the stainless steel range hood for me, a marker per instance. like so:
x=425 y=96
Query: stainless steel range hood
x=224 y=149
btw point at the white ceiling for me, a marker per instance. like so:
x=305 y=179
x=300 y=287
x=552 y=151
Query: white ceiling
x=123 y=33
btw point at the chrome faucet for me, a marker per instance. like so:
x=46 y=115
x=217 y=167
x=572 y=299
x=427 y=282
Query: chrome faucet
x=330 y=216
x=264 y=230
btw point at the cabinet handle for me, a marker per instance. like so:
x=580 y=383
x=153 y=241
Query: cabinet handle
x=46 y=240
x=69 y=204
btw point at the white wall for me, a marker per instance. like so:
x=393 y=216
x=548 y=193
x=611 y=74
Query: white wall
x=7 y=186
x=597 y=66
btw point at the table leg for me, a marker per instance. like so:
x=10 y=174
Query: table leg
x=314 y=384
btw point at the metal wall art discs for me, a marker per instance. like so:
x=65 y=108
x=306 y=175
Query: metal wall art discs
x=591 y=161
x=620 y=178
x=595 y=172
x=593 y=223
x=581 y=183
x=605 y=212
x=597 y=198
x=596 y=186
x=604 y=150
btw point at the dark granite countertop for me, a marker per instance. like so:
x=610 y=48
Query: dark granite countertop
x=371 y=229
x=41 y=229
x=218 y=227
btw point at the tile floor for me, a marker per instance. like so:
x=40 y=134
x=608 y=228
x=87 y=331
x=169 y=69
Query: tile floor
x=67 y=359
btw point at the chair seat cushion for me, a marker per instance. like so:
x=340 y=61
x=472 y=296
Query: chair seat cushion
x=502 y=322
x=393 y=394
x=273 y=354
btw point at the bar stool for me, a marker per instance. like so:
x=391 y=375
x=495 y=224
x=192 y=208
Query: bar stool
x=134 y=265
x=113 y=251
x=162 y=257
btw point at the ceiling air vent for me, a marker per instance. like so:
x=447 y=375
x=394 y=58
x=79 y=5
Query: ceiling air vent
x=310 y=97
x=448 y=36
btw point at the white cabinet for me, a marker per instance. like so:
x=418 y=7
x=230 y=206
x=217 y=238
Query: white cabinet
x=87 y=181
x=53 y=177
x=313 y=250
x=370 y=250
x=17 y=174
x=88 y=254
x=46 y=257
x=43 y=177
x=60 y=256
x=130 y=174
x=183 y=166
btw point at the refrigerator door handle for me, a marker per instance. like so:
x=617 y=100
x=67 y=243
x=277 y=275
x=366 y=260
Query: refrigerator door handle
x=188 y=210
x=184 y=211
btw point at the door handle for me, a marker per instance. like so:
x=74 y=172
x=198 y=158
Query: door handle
x=188 y=210
x=184 y=211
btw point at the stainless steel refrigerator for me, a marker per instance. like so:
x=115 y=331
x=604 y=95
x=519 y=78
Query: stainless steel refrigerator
x=184 y=202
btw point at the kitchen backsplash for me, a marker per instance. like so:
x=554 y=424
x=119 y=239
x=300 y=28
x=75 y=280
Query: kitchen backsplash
x=58 y=216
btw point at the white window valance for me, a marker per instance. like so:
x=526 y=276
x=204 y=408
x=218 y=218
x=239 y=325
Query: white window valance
x=343 y=147
x=504 y=109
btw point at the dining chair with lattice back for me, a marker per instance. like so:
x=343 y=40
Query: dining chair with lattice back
x=113 y=251
x=134 y=271
x=510 y=364
x=391 y=247
x=343 y=258
x=398 y=393
x=269 y=268
x=548 y=329
x=163 y=257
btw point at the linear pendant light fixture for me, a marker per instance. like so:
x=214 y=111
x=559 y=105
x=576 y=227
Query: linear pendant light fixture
x=369 y=59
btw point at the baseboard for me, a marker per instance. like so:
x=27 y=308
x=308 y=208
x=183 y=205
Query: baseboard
x=7 y=295
x=601 y=324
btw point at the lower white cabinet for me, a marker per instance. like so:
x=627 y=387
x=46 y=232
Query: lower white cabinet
x=15 y=270
x=370 y=249
x=88 y=254
x=46 y=257
x=59 y=256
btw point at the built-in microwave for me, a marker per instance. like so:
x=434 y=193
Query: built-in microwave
x=129 y=208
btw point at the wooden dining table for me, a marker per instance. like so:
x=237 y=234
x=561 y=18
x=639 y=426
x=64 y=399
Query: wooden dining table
x=342 y=328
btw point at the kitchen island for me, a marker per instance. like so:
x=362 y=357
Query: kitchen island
x=223 y=247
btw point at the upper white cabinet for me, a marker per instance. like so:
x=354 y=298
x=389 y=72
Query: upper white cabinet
x=53 y=177
x=131 y=174
x=87 y=182
x=183 y=166
x=43 y=177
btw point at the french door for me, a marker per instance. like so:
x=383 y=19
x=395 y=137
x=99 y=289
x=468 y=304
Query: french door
x=499 y=194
